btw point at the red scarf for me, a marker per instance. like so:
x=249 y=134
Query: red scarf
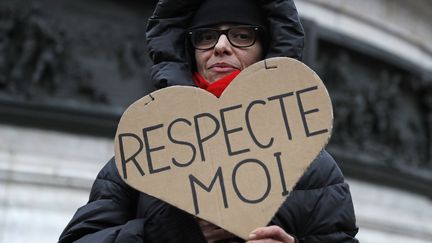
x=216 y=87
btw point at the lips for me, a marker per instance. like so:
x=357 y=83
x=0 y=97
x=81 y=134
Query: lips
x=222 y=67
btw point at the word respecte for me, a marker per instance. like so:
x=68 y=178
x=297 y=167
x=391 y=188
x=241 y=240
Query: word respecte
x=220 y=125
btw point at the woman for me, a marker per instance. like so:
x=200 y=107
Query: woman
x=222 y=38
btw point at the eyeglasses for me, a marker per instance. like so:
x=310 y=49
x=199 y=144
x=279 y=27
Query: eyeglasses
x=238 y=36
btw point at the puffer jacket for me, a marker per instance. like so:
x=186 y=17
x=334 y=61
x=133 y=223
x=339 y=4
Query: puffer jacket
x=319 y=209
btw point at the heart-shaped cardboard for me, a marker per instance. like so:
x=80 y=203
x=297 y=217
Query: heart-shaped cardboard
x=233 y=160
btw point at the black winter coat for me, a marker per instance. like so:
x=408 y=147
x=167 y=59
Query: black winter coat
x=319 y=209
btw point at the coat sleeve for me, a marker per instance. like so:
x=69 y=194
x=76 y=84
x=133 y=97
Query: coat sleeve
x=109 y=216
x=320 y=208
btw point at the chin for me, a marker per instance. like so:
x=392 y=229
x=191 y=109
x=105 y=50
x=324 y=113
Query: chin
x=216 y=78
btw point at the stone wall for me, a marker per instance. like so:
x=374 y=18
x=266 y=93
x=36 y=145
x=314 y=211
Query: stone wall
x=55 y=137
x=44 y=177
x=397 y=26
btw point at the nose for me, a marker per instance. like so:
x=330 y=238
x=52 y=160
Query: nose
x=223 y=46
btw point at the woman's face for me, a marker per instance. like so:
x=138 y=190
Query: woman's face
x=224 y=58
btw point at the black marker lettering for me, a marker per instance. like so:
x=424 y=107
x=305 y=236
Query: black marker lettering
x=303 y=113
x=234 y=180
x=149 y=150
x=281 y=173
x=200 y=139
x=284 y=113
x=132 y=158
x=176 y=141
x=227 y=132
x=249 y=127
x=193 y=180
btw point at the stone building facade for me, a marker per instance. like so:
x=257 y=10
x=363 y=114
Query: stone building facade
x=69 y=68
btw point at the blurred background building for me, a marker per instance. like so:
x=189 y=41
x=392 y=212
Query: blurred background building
x=69 y=68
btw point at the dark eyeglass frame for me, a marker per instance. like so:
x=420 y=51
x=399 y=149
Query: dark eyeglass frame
x=225 y=32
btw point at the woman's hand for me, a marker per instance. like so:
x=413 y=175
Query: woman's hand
x=213 y=233
x=270 y=234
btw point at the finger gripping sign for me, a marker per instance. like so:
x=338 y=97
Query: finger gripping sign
x=231 y=161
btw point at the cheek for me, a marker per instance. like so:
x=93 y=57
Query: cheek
x=200 y=61
x=252 y=56
x=257 y=54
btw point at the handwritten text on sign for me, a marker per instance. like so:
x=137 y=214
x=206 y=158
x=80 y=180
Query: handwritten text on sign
x=226 y=159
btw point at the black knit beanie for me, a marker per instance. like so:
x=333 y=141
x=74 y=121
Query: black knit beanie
x=213 y=12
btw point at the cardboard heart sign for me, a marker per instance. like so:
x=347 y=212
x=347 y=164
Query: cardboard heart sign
x=233 y=160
